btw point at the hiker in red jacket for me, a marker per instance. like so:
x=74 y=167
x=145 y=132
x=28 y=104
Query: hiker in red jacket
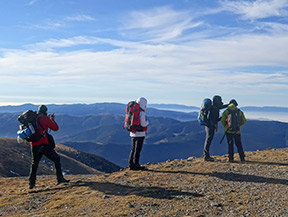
x=42 y=146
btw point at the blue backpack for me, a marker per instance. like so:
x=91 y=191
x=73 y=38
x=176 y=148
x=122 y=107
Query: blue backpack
x=206 y=106
x=28 y=128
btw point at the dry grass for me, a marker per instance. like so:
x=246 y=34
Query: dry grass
x=192 y=187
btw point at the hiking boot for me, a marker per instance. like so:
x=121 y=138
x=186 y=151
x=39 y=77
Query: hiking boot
x=208 y=159
x=62 y=181
x=138 y=168
x=132 y=167
x=231 y=160
x=141 y=168
x=31 y=185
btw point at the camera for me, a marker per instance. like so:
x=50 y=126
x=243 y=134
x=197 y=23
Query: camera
x=51 y=116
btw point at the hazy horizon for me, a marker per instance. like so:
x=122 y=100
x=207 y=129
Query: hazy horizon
x=91 y=103
x=257 y=115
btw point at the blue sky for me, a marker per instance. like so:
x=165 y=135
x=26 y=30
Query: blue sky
x=170 y=51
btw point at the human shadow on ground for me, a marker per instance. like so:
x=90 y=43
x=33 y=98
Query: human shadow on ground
x=48 y=189
x=236 y=177
x=265 y=163
x=109 y=188
x=230 y=176
x=255 y=162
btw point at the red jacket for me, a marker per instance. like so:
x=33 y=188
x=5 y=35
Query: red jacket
x=46 y=123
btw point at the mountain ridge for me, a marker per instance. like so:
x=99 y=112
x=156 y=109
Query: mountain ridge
x=64 y=108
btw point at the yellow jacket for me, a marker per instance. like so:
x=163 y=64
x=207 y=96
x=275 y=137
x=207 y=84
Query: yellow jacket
x=225 y=115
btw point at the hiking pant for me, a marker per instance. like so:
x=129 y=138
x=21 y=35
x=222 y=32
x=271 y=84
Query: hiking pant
x=37 y=153
x=137 y=144
x=210 y=131
x=231 y=137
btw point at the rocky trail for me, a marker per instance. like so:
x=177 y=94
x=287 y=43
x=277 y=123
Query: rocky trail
x=186 y=187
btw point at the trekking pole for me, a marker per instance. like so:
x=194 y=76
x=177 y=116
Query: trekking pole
x=223 y=137
x=225 y=131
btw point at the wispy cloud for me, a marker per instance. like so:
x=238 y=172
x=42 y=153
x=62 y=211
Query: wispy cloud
x=258 y=9
x=208 y=62
x=158 y=24
x=274 y=28
x=80 y=17
x=65 y=22
x=82 y=40
x=32 y=2
x=61 y=43
x=48 y=25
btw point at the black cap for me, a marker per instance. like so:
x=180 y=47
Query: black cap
x=42 y=109
x=234 y=102
x=217 y=101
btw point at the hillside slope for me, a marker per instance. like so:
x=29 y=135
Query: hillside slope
x=15 y=160
x=189 y=187
x=104 y=135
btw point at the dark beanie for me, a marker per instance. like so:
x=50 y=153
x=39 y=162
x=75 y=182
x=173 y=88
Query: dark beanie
x=234 y=102
x=217 y=101
x=42 y=109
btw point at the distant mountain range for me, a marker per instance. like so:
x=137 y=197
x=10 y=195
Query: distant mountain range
x=101 y=108
x=265 y=109
x=15 y=160
x=98 y=129
x=119 y=108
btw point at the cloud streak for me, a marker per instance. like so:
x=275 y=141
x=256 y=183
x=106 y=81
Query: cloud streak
x=180 y=64
x=80 y=18
x=32 y=2
x=158 y=24
x=258 y=9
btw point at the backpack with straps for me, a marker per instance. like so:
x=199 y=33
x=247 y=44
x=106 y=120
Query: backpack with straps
x=132 y=118
x=28 y=128
x=233 y=120
x=204 y=111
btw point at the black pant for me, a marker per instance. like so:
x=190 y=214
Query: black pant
x=137 y=144
x=49 y=152
x=210 y=131
x=231 y=137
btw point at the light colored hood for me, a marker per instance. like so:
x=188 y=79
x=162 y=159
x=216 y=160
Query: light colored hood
x=142 y=101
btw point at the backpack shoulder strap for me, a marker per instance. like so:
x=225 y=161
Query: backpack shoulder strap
x=237 y=111
x=37 y=121
x=233 y=111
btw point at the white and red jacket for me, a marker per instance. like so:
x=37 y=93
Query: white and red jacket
x=143 y=120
